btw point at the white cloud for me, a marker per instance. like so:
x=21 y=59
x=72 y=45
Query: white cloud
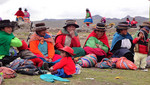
x=59 y=9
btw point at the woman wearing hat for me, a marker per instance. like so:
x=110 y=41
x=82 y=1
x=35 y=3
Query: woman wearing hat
x=69 y=37
x=122 y=42
x=97 y=42
x=41 y=43
x=8 y=40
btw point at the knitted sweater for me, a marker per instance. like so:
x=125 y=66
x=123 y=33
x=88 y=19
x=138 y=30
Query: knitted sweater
x=67 y=64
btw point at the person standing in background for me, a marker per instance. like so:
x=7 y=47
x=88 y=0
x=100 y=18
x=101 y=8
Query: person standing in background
x=88 y=19
x=128 y=21
x=19 y=14
x=133 y=23
x=26 y=16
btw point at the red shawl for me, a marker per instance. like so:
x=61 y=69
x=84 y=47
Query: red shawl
x=103 y=38
x=19 y=13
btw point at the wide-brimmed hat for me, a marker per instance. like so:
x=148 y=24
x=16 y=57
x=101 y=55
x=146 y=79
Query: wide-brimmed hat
x=122 y=25
x=6 y=23
x=145 y=24
x=40 y=27
x=71 y=22
x=68 y=50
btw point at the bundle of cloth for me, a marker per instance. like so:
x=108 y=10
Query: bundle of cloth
x=88 y=60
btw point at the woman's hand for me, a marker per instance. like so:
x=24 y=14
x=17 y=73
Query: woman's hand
x=98 y=46
x=72 y=33
x=41 y=38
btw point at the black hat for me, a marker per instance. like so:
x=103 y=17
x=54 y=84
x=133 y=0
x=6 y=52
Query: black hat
x=6 y=23
x=40 y=27
x=122 y=25
x=71 y=22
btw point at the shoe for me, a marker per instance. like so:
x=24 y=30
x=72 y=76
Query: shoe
x=144 y=69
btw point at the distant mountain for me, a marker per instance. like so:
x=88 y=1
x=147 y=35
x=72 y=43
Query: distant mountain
x=59 y=23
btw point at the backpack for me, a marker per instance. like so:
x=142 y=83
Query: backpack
x=124 y=63
x=105 y=63
x=7 y=72
x=25 y=66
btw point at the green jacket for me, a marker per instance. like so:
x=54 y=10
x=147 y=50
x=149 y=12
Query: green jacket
x=15 y=42
x=92 y=41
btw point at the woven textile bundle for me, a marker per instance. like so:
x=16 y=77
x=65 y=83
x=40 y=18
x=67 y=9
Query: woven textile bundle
x=88 y=60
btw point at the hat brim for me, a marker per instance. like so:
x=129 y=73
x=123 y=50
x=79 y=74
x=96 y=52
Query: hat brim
x=41 y=28
x=61 y=49
x=118 y=27
x=98 y=29
x=7 y=25
x=76 y=26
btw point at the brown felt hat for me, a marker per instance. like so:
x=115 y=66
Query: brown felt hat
x=100 y=26
x=122 y=25
x=40 y=27
x=71 y=22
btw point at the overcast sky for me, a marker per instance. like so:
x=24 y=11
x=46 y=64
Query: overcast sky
x=60 y=9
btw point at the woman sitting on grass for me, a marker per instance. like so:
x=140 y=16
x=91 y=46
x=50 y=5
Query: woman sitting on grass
x=97 y=42
x=69 y=37
x=122 y=42
x=41 y=43
x=7 y=41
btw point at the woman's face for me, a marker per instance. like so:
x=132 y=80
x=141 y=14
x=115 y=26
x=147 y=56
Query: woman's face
x=100 y=32
x=124 y=32
x=42 y=33
x=70 y=28
x=7 y=30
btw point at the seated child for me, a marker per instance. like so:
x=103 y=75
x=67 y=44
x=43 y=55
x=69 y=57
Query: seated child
x=25 y=53
x=66 y=67
x=141 y=50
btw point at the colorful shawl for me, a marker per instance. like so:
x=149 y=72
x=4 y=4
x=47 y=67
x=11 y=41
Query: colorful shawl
x=117 y=37
x=103 y=39
x=47 y=36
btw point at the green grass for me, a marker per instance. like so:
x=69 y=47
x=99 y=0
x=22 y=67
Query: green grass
x=101 y=77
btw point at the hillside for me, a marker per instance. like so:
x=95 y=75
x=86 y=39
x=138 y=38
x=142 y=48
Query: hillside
x=59 y=23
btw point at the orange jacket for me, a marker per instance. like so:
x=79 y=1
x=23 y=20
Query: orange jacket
x=35 y=50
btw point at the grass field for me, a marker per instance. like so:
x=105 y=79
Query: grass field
x=88 y=76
